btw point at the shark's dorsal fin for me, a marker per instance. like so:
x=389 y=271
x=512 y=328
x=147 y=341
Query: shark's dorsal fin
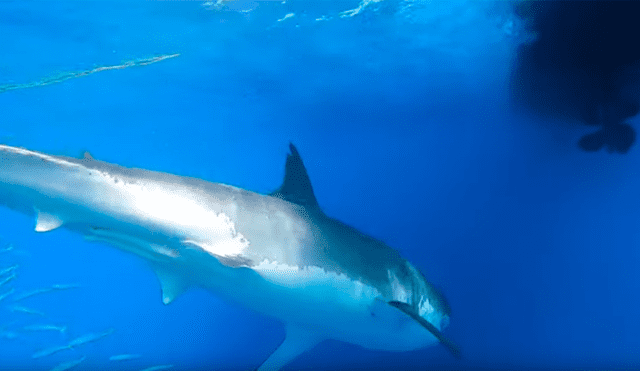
x=46 y=222
x=296 y=186
x=408 y=310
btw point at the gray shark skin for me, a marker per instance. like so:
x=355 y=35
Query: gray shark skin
x=278 y=254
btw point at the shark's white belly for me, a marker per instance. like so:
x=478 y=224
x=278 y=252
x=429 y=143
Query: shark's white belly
x=324 y=302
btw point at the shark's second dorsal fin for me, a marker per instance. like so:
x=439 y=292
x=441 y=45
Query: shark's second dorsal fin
x=296 y=186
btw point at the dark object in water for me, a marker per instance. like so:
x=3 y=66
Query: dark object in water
x=617 y=138
x=583 y=65
x=615 y=135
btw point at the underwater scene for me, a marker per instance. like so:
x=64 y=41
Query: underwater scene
x=319 y=185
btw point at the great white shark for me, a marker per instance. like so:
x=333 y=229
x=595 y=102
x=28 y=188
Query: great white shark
x=278 y=254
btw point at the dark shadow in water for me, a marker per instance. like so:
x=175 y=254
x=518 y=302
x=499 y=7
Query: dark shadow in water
x=583 y=65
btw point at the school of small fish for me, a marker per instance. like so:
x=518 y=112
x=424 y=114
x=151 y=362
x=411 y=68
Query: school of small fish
x=15 y=305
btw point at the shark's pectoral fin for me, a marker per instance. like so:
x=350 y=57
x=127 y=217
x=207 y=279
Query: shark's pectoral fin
x=172 y=284
x=297 y=341
x=46 y=222
x=408 y=310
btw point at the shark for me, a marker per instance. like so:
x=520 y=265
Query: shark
x=278 y=253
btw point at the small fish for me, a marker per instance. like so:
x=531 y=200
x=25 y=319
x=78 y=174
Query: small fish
x=44 y=290
x=156 y=368
x=10 y=335
x=73 y=343
x=5 y=326
x=3 y=296
x=11 y=277
x=49 y=351
x=89 y=338
x=60 y=329
x=7 y=249
x=69 y=364
x=124 y=357
x=64 y=287
x=10 y=269
x=17 y=308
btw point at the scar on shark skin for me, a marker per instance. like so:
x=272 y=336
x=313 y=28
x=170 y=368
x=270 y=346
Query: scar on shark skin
x=72 y=75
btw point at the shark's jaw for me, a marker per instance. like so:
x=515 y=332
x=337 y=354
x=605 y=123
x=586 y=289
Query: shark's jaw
x=264 y=251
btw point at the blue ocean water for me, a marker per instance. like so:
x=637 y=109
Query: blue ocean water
x=400 y=110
